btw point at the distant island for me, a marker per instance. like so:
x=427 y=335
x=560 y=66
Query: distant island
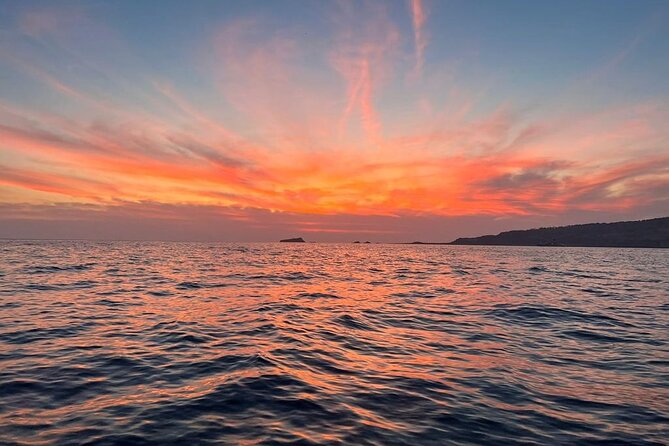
x=293 y=240
x=653 y=233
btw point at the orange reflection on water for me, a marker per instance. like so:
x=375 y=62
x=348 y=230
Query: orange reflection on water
x=286 y=337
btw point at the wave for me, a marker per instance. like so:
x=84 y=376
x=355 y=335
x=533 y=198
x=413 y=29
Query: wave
x=161 y=343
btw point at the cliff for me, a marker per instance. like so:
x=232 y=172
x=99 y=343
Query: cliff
x=652 y=233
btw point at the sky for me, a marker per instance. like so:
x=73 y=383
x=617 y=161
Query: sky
x=331 y=120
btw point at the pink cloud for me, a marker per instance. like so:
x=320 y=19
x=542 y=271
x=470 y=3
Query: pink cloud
x=419 y=17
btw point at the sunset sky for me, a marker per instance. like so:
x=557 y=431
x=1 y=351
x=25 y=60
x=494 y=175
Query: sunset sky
x=331 y=120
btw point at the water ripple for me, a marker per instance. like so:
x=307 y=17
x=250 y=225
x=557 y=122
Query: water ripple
x=129 y=343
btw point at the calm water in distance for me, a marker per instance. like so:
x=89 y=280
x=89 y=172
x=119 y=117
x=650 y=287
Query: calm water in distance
x=112 y=343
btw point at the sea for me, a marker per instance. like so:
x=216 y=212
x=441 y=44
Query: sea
x=164 y=343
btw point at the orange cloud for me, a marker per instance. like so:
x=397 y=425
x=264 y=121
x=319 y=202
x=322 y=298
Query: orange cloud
x=488 y=175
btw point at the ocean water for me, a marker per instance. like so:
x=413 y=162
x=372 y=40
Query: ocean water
x=112 y=343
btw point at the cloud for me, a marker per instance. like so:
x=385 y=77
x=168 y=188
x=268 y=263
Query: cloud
x=363 y=54
x=419 y=17
x=160 y=221
x=494 y=166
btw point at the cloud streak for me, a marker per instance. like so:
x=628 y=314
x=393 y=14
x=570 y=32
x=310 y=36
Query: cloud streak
x=419 y=17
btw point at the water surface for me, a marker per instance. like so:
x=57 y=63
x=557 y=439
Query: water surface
x=113 y=343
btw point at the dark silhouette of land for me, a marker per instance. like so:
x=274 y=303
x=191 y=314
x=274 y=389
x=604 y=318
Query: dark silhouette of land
x=293 y=240
x=652 y=233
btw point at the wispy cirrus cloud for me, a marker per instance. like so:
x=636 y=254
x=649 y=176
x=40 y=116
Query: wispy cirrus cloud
x=418 y=18
x=364 y=54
